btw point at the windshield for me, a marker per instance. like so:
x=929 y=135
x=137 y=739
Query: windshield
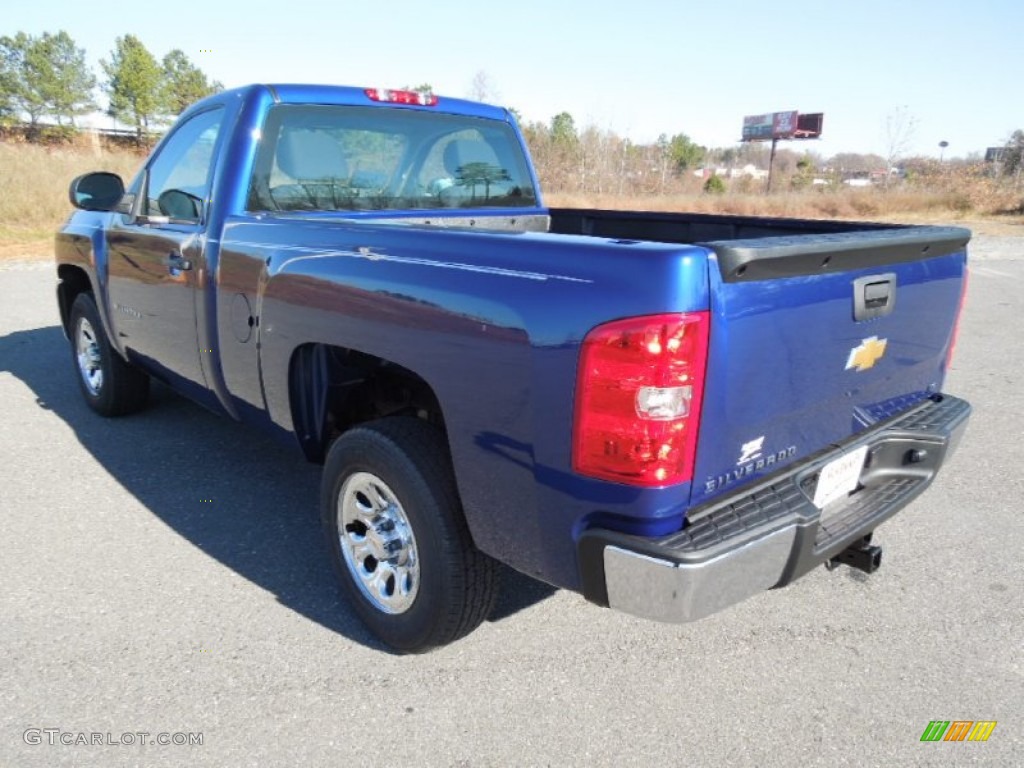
x=331 y=158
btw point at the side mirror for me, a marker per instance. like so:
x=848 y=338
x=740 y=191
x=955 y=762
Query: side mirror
x=100 y=191
x=180 y=205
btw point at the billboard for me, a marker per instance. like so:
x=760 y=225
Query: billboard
x=757 y=127
x=784 y=125
x=781 y=125
x=809 y=126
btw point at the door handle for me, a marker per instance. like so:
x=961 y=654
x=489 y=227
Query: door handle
x=175 y=260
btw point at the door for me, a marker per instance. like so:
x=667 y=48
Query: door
x=156 y=256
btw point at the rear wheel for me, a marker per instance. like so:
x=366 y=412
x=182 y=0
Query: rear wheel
x=397 y=537
x=111 y=386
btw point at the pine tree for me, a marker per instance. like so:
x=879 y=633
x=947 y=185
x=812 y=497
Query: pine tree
x=134 y=84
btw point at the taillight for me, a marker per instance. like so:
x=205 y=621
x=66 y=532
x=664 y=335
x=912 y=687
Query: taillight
x=956 y=321
x=402 y=97
x=638 y=395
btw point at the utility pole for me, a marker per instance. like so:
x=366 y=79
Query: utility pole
x=771 y=163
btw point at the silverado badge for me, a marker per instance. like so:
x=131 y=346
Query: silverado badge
x=866 y=354
x=750 y=451
x=752 y=460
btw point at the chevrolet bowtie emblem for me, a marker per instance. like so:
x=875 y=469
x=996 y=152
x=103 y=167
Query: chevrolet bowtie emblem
x=866 y=354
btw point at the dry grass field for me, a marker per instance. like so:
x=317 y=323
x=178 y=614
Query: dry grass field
x=897 y=204
x=34 y=191
x=34 y=181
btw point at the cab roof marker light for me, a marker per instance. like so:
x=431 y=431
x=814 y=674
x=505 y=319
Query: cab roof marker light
x=390 y=96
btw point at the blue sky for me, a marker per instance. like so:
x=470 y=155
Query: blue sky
x=639 y=68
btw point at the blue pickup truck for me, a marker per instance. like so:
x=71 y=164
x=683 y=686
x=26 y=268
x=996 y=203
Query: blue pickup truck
x=665 y=412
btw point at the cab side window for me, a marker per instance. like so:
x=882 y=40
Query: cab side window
x=178 y=183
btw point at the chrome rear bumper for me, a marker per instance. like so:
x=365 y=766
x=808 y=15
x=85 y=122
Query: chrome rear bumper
x=769 y=534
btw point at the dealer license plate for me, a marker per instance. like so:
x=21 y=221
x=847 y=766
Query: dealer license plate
x=839 y=477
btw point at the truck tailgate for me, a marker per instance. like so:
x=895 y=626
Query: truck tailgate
x=814 y=338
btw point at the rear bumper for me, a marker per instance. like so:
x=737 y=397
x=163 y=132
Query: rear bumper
x=770 y=534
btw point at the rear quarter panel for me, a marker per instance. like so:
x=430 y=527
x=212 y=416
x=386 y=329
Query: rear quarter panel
x=492 y=322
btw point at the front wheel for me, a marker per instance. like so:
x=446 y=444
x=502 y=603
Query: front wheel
x=397 y=537
x=111 y=386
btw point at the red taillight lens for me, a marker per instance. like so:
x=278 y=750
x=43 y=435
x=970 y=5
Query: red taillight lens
x=402 y=97
x=638 y=395
x=956 y=322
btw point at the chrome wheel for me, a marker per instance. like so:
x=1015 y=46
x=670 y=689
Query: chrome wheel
x=377 y=543
x=87 y=349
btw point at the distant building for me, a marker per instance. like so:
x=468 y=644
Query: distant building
x=995 y=154
x=748 y=170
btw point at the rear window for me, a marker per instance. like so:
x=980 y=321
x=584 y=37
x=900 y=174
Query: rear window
x=329 y=158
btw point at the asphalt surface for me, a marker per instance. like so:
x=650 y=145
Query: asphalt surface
x=164 y=574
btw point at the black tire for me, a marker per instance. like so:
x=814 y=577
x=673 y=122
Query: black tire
x=121 y=388
x=456 y=584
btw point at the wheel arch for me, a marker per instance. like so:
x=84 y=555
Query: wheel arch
x=333 y=388
x=72 y=281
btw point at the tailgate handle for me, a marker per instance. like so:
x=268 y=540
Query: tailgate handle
x=874 y=296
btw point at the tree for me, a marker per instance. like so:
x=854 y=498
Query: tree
x=563 y=130
x=472 y=174
x=560 y=145
x=42 y=76
x=68 y=87
x=853 y=162
x=6 y=107
x=184 y=83
x=729 y=156
x=134 y=84
x=683 y=152
x=714 y=185
x=23 y=69
x=481 y=88
x=900 y=128
x=424 y=88
x=1013 y=156
x=8 y=80
x=804 y=175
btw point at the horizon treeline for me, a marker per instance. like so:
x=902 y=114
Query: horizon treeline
x=46 y=77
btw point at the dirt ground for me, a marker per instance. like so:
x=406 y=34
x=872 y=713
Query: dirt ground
x=26 y=250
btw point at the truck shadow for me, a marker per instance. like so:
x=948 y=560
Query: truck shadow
x=240 y=497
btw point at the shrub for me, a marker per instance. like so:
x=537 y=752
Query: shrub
x=714 y=186
x=57 y=134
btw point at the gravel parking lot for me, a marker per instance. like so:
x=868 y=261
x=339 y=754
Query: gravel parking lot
x=164 y=579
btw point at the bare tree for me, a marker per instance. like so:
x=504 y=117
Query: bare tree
x=900 y=129
x=481 y=88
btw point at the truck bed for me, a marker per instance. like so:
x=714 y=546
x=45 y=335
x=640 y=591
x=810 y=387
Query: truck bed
x=689 y=227
x=756 y=248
